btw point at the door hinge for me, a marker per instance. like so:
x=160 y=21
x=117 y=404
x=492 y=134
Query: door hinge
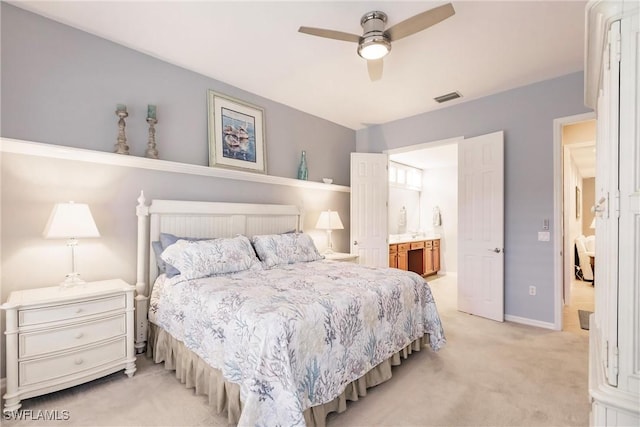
x=616 y=203
x=634 y=203
x=611 y=364
x=613 y=49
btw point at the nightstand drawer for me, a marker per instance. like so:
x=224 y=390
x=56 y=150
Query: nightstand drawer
x=65 y=338
x=70 y=311
x=49 y=368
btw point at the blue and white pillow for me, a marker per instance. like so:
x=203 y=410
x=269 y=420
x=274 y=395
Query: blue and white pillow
x=203 y=258
x=166 y=240
x=288 y=248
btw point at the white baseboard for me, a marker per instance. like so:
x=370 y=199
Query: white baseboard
x=530 y=322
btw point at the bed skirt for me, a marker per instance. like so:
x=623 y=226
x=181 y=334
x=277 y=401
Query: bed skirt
x=223 y=395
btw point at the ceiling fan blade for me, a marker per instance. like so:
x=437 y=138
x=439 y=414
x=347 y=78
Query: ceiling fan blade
x=330 y=34
x=420 y=22
x=374 y=67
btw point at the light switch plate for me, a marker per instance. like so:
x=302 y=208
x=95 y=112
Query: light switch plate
x=544 y=236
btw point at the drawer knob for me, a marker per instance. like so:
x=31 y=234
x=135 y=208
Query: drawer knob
x=79 y=310
x=79 y=335
x=78 y=361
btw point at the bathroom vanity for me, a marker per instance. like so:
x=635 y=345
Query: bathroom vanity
x=414 y=253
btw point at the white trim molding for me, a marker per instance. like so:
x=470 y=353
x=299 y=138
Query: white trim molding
x=559 y=248
x=530 y=322
x=17 y=146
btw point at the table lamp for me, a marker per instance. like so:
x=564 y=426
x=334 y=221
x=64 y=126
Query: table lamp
x=329 y=220
x=71 y=221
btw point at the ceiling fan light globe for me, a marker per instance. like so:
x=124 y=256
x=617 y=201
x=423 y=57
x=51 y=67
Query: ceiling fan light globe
x=374 y=48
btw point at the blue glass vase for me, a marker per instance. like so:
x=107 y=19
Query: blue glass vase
x=303 y=172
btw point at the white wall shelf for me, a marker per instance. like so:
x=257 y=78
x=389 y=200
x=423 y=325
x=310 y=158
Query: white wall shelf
x=16 y=146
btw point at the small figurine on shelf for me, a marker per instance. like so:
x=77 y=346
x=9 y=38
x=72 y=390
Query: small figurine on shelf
x=121 y=144
x=151 y=152
x=303 y=172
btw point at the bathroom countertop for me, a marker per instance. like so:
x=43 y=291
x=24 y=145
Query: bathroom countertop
x=411 y=237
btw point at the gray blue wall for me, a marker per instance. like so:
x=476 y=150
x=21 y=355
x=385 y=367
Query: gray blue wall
x=61 y=86
x=526 y=115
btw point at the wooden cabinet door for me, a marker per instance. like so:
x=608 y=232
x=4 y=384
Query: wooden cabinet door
x=428 y=257
x=428 y=260
x=403 y=260
x=393 y=256
x=436 y=256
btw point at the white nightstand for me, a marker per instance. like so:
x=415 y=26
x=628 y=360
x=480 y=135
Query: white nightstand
x=339 y=256
x=61 y=337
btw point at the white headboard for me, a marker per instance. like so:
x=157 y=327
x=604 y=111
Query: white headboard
x=199 y=219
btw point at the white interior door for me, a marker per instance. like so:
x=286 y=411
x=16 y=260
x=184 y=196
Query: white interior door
x=369 y=197
x=481 y=226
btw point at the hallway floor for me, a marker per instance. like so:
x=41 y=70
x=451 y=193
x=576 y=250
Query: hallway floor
x=582 y=298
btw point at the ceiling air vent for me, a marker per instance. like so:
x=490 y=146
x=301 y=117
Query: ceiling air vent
x=448 y=97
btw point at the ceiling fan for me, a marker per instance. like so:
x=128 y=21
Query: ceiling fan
x=375 y=42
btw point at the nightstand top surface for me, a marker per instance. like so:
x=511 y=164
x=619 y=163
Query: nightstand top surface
x=52 y=294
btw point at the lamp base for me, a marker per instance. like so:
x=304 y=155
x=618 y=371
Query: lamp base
x=72 y=279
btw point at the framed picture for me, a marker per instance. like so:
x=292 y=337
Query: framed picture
x=236 y=134
x=578 y=203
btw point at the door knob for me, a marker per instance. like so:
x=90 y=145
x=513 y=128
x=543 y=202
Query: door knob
x=496 y=250
x=355 y=243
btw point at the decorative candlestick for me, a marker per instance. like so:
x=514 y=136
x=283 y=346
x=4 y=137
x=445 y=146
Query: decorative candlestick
x=121 y=145
x=151 y=144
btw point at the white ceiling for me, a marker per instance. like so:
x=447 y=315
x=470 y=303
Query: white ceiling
x=584 y=157
x=485 y=48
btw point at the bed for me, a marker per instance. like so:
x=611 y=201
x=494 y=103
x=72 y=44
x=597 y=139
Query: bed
x=256 y=320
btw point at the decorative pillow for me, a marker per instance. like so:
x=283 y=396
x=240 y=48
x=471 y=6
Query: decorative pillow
x=203 y=258
x=288 y=248
x=157 y=250
x=166 y=240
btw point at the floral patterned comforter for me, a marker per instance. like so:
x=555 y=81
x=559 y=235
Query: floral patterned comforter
x=294 y=336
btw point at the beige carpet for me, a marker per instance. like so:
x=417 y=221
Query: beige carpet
x=489 y=374
x=582 y=298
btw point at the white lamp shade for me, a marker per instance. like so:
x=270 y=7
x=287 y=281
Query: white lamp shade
x=329 y=220
x=70 y=220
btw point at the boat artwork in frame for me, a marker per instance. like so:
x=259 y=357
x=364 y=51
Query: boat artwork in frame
x=236 y=134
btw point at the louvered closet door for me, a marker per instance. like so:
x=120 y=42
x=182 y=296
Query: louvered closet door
x=629 y=249
x=607 y=167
